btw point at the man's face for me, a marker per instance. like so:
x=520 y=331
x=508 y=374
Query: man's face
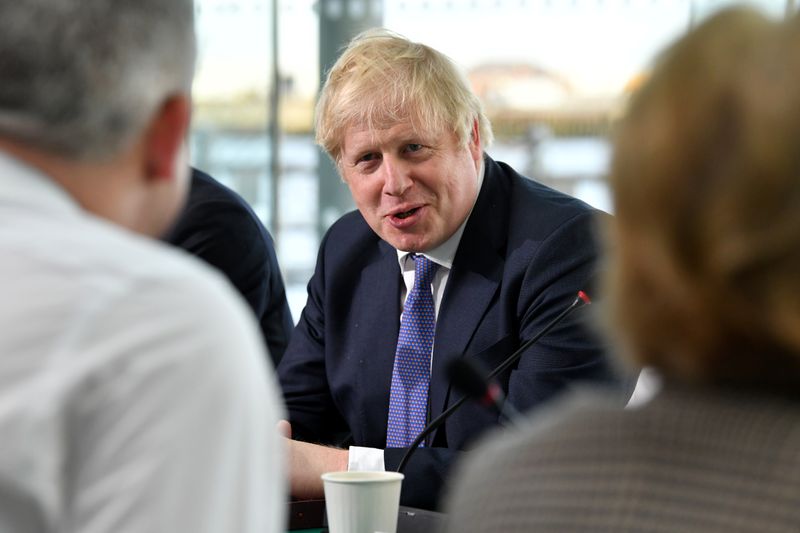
x=414 y=189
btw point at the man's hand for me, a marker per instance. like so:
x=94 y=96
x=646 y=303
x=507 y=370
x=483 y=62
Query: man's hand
x=307 y=462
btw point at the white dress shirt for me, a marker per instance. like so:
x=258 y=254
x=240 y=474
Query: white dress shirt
x=371 y=459
x=133 y=391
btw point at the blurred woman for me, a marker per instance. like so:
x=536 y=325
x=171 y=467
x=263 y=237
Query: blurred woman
x=704 y=286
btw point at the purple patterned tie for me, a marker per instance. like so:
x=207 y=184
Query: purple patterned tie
x=408 y=401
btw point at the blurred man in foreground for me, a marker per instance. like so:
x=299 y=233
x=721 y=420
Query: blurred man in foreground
x=450 y=254
x=133 y=393
x=703 y=287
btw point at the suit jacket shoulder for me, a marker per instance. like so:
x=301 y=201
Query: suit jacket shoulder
x=219 y=227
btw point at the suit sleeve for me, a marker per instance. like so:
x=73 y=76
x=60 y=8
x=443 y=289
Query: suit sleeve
x=426 y=474
x=301 y=372
x=572 y=352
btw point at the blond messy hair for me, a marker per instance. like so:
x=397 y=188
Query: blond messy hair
x=382 y=79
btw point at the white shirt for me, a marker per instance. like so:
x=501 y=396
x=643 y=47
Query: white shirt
x=133 y=391
x=371 y=459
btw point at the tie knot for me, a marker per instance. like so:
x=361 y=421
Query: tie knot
x=424 y=269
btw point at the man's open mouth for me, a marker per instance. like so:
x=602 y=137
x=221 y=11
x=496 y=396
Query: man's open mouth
x=408 y=213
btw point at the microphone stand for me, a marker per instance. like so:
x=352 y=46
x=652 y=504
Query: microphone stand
x=580 y=300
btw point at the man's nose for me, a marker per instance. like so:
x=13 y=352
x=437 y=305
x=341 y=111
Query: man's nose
x=396 y=176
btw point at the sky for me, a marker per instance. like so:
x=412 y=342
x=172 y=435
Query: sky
x=598 y=45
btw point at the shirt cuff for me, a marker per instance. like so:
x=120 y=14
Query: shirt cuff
x=365 y=459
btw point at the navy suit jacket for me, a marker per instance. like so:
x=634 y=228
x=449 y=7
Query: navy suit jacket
x=218 y=226
x=525 y=253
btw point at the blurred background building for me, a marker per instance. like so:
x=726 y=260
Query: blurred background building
x=553 y=75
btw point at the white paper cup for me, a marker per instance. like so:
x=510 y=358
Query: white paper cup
x=362 y=502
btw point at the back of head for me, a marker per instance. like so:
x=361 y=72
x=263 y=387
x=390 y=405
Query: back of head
x=82 y=77
x=706 y=180
x=382 y=79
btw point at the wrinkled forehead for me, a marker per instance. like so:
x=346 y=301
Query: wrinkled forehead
x=359 y=137
x=379 y=113
x=377 y=124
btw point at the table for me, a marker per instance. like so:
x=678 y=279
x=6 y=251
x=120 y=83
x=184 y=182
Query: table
x=308 y=516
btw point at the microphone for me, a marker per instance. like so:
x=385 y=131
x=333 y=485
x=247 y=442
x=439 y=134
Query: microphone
x=580 y=300
x=469 y=378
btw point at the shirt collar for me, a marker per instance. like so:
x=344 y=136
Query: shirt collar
x=21 y=183
x=444 y=254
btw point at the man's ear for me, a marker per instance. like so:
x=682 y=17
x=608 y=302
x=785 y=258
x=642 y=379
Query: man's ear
x=165 y=138
x=474 y=142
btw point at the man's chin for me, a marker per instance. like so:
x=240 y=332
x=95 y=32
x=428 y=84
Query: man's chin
x=408 y=242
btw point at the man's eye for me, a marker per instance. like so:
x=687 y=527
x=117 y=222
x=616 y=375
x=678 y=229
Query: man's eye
x=367 y=157
x=414 y=147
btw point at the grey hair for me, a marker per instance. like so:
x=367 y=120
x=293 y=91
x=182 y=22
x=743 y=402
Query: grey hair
x=81 y=78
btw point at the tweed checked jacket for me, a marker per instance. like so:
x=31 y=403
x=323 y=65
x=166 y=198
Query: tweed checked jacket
x=689 y=460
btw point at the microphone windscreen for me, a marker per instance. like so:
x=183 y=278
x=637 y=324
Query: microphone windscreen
x=468 y=377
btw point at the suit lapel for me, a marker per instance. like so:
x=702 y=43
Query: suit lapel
x=380 y=313
x=474 y=279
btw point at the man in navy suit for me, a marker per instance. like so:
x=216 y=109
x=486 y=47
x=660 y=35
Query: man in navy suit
x=408 y=138
x=219 y=227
